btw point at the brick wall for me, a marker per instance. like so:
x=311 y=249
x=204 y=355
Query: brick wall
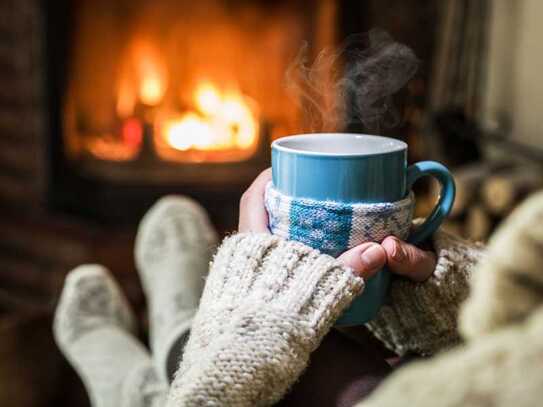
x=23 y=170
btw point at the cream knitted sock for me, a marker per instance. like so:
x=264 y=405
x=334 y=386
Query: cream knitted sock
x=173 y=248
x=92 y=328
x=267 y=304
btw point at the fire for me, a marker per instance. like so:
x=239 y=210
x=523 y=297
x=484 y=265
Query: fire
x=151 y=90
x=221 y=121
x=215 y=125
x=170 y=80
x=207 y=99
x=126 y=99
x=143 y=78
x=189 y=131
x=151 y=73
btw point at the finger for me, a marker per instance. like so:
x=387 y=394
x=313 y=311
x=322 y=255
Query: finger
x=259 y=184
x=365 y=259
x=253 y=215
x=408 y=260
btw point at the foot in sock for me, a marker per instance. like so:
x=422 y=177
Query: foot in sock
x=174 y=245
x=93 y=329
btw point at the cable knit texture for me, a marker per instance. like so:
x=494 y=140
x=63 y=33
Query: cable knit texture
x=422 y=318
x=266 y=305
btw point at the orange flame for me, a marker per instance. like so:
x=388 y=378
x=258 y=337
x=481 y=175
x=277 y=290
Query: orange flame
x=151 y=73
x=222 y=126
x=143 y=78
x=221 y=121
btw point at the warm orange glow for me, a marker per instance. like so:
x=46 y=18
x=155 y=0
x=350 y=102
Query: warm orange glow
x=132 y=133
x=108 y=148
x=170 y=80
x=126 y=97
x=237 y=115
x=151 y=90
x=207 y=99
x=188 y=131
x=221 y=121
x=151 y=73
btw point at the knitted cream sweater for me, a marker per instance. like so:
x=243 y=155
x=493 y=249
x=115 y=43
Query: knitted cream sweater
x=268 y=303
x=502 y=322
x=422 y=318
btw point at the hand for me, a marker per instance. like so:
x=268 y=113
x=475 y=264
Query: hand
x=367 y=259
x=408 y=260
x=252 y=211
x=400 y=257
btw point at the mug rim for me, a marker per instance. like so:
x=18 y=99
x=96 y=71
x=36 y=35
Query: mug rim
x=276 y=144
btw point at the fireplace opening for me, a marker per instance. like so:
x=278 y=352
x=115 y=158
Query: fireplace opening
x=177 y=82
x=154 y=97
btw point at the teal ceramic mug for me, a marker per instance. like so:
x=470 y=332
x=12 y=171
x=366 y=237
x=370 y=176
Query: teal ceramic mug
x=351 y=170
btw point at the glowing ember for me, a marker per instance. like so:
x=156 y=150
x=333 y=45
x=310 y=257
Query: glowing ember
x=107 y=147
x=220 y=122
x=132 y=133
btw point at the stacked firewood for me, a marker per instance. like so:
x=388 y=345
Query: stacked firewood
x=486 y=193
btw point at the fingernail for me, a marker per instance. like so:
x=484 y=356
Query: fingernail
x=397 y=252
x=371 y=257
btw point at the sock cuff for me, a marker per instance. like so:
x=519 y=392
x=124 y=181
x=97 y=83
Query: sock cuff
x=143 y=387
x=163 y=349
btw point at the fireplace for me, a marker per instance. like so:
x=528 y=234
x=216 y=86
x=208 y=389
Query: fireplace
x=95 y=102
x=153 y=97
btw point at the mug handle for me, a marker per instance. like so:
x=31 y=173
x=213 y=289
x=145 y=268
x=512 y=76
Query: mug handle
x=446 y=197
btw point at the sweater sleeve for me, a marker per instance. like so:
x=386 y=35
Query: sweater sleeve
x=422 y=317
x=266 y=305
x=499 y=369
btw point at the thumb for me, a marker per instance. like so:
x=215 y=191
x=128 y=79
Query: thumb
x=408 y=260
x=365 y=259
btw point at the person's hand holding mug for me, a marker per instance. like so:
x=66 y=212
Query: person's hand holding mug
x=367 y=258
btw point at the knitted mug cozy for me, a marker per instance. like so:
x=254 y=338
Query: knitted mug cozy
x=333 y=227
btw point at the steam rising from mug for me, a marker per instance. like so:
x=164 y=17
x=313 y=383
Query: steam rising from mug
x=353 y=84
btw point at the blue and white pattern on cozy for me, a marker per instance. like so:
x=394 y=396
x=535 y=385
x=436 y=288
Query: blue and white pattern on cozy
x=333 y=227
